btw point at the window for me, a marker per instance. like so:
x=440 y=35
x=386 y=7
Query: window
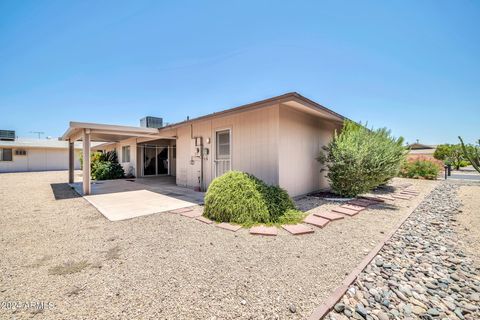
x=20 y=152
x=6 y=155
x=223 y=144
x=126 y=154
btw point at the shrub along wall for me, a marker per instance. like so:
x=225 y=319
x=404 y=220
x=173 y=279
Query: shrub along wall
x=244 y=199
x=359 y=159
x=105 y=166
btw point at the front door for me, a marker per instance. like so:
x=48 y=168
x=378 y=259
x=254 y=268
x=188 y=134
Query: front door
x=222 y=152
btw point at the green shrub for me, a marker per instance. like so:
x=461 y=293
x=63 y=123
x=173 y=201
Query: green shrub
x=291 y=216
x=105 y=166
x=420 y=168
x=244 y=199
x=451 y=154
x=472 y=153
x=359 y=159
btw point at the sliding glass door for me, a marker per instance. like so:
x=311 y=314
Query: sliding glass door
x=155 y=160
x=162 y=160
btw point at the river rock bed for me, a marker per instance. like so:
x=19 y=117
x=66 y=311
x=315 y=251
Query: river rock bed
x=420 y=273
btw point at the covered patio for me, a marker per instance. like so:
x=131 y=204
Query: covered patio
x=95 y=132
x=128 y=198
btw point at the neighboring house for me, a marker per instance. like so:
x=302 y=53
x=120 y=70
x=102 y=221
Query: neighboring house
x=35 y=155
x=417 y=149
x=276 y=139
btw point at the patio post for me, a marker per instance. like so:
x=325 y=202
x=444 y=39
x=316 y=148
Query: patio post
x=71 y=160
x=86 y=162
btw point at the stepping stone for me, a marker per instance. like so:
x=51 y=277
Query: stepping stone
x=359 y=202
x=297 y=229
x=401 y=196
x=316 y=221
x=264 y=231
x=229 y=227
x=352 y=207
x=375 y=199
x=192 y=213
x=181 y=210
x=348 y=212
x=329 y=215
x=410 y=193
x=204 y=220
x=385 y=197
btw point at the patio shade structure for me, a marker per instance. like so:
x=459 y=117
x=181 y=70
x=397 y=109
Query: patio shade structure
x=88 y=132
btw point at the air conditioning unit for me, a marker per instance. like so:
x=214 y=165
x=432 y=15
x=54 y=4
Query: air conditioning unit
x=7 y=135
x=151 y=122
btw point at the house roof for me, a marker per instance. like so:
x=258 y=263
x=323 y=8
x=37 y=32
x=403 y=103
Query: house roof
x=415 y=146
x=108 y=133
x=37 y=143
x=292 y=99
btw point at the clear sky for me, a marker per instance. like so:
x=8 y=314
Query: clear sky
x=412 y=66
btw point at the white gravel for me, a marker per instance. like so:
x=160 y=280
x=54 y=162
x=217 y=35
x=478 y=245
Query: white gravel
x=166 y=266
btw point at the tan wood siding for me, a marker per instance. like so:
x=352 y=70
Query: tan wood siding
x=301 y=138
x=254 y=146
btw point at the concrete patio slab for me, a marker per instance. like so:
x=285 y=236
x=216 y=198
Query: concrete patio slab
x=229 y=227
x=264 y=231
x=297 y=229
x=130 y=204
x=332 y=216
x=316 y=221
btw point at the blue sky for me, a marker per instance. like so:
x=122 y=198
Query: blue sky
x=412 y=66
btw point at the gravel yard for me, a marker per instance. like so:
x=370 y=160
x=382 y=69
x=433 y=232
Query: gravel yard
x=469 y=219
x=423 y=271
x=58 y=249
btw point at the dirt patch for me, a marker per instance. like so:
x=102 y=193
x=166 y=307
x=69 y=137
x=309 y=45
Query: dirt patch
x=469 y=220
x=68 y=268
x=113 y=253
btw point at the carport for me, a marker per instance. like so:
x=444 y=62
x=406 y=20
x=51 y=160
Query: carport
x=89 y=132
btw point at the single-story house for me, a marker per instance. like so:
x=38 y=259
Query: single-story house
x=276 y=139
x=19 y=155
x=421 y=149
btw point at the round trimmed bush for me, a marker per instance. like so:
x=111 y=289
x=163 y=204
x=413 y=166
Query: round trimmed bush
x=242 y=198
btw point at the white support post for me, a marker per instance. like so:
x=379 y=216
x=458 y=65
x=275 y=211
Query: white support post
x=71 y=161
x=86 y=162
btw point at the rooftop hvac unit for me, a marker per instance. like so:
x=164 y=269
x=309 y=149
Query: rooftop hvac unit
x=7 y=135
x=151 y=122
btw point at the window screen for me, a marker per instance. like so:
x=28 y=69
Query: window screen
x=223 y=144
